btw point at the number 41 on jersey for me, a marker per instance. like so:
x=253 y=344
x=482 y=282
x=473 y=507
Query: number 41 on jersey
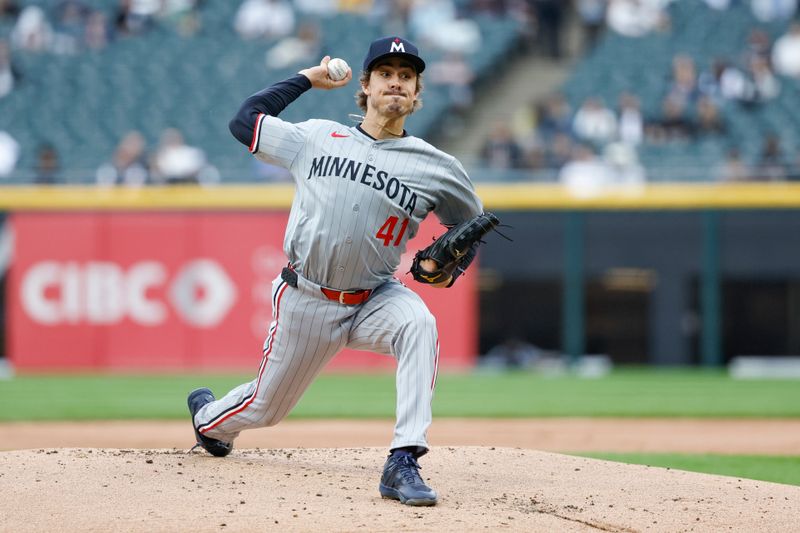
x=386 y=233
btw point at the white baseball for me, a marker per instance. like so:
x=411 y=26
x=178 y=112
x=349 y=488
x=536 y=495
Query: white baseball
x=337 y=69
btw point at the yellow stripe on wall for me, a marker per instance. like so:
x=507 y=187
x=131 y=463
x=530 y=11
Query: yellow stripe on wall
x=653 y=196
x=228 y=197
x=495 y=197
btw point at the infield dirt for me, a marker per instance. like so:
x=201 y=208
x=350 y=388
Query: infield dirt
x=305 y=489
x=737 y=436
x=121 y=476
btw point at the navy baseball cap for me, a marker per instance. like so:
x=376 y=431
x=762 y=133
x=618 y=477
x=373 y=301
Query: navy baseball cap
x=393 y=46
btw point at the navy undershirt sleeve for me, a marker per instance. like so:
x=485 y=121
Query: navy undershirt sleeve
x=270 y=101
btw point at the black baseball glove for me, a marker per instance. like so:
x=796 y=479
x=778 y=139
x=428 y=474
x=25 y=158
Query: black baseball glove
x=453 y=251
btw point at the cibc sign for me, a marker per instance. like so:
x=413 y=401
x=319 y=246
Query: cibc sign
x=102 y=292
x=172 y=291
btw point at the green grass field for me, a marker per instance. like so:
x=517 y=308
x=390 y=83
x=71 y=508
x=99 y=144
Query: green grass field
x=762 y=467
x=624 y=393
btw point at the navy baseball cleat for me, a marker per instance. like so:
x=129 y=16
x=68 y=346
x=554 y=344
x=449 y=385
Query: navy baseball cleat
x=401 y=481
x=197 y=399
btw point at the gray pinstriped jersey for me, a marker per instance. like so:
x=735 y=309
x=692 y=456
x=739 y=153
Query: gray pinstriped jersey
x=359 y=200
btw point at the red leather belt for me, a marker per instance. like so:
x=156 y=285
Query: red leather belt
x=347 y=297
x=353 y=297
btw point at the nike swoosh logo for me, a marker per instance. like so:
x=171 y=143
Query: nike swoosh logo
x=338 y=135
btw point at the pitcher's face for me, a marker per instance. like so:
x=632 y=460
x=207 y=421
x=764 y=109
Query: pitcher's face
x=392 y=88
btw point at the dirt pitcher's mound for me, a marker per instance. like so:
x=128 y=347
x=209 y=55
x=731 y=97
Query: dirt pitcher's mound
x=480 y=489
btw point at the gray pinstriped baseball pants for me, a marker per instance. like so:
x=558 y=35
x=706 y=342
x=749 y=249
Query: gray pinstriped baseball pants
x=307 y=331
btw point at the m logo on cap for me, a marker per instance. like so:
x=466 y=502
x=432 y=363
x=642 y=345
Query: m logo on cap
x=392 y=46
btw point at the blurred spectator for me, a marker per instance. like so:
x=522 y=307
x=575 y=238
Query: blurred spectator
x=132 y=19
x=631 y=121
x=673 y=125
x=70 y=23
x=146 y=8
x=559 y=151
x=303 y=48
x=264 y=19
x=501 y=151
x=709 y=81
x=317 y=8
x=554 y=117
x=9 y=9
x=719 y=5
x=97 y=34
x=773 y=10
x=593 y=16
x=709 y=121
x=636 y=18
x=175 y=162
x=129 y=164
x=391 y=16
x=435 y=23
x=523 y=124
x=585 y=175
x=48 y=166
x=594 y=122
x=528 y=26
x=32 y=32
x=549 y=18
x=683 y=86
x=8 y=72
x=9 y=153
x=182 y=15
x=767 y=86
x=786 y=52
x=733 y=167
x=734 y=84
x=758 y=44
x=496 y=8
x=623 y=165
x=455 y=75
x=535 y=157
x=772 y=164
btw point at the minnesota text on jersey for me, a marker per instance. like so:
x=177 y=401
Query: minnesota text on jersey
x=342 y=167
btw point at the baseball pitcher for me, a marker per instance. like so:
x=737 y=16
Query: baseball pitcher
x=361 y=193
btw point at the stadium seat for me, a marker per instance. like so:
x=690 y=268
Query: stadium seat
x=643 y=65
x=160 y=79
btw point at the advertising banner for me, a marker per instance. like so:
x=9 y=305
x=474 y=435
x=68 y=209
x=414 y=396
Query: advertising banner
x=167 y=291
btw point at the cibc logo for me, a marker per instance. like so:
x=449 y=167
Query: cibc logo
x=104 y=293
